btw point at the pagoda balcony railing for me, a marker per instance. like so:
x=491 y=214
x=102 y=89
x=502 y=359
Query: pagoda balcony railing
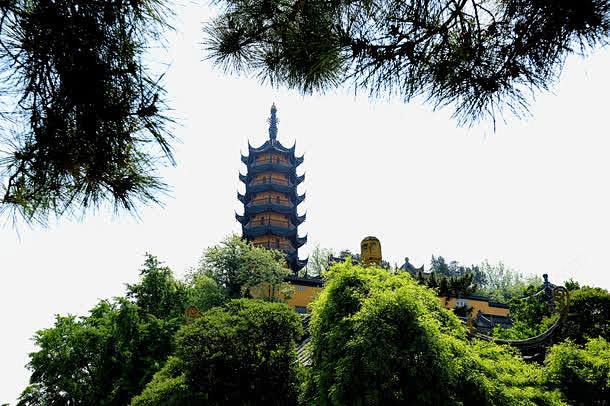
x=276 y=246
x=271 y=161
x=270 y=222
x=271 y=181
x=270 y=200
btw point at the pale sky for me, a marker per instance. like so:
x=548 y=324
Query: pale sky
x=534 y=194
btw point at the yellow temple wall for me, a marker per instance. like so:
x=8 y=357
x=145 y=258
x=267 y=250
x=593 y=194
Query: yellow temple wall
x=482 y=305
x=300 y=295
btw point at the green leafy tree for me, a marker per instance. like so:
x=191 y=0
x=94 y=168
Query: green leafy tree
x=107 y=357
x=531 y=315
x=204 y=293
x=457 y=286
x=480 y=56
x=241 y=353
x=102 y=359
x=345 y=254
x=380 y=338
x=319 y=258
x=501 y=283
x=443 y=286
x=433 y=282
x=453 y=269
x=238 y=266
x=439 y=266
x=158 y=293
x=571 y=284
x=87 y=122
x=589 y=315
x=581 y=374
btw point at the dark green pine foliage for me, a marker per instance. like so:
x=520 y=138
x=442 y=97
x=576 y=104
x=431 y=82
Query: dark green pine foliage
x=480 y=56
x=88 y=127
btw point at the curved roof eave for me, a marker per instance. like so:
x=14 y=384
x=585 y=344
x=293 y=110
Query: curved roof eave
x=268 y=146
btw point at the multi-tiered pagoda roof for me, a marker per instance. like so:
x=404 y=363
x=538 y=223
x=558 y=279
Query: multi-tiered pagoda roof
x=270 y=202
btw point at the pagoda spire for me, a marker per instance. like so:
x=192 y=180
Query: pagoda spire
x=273 y=123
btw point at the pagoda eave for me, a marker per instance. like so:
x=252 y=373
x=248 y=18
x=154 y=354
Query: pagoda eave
x=263 y=208
x=270 y=145
x=272 y=167
x=270 y=187
x=258 y=230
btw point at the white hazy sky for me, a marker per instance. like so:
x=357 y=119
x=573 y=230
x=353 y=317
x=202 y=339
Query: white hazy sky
x=534 y=195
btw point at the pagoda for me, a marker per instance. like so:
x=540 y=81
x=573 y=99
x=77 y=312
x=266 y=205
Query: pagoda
x=270 y=216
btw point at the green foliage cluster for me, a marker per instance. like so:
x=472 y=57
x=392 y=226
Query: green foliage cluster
x=380 y=338
x=531 y=315
x=376 y=338
x=238 y=266
x=449 y=286
x=481 y=56
x=581 y=374
x=107 y=357
x=440 y=267
x=319 y=259
x=87 y=125
x=501 y=283
x=495 y=281
x=589 y=315
x=241 y=353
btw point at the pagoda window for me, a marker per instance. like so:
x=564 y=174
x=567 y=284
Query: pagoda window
x=271 y=178
x=272 y=159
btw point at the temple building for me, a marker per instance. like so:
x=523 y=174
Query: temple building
x=270 y=202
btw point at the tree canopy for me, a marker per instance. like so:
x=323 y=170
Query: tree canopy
x=380 y=338
x=589 y=315
x=107 y=357
x=582 y=374
x=480 y=56
x=238 y=266
x=241 y=353
x=85 y=120
x=376 y=337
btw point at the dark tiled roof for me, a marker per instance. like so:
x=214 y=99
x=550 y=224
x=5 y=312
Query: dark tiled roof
x=407 y=266
x=306 y=281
